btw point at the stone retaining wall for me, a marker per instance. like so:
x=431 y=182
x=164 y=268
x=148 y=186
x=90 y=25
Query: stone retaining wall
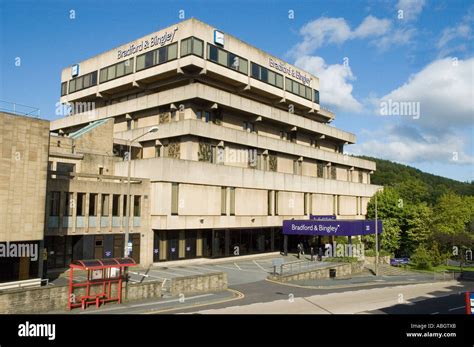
x=342 y=269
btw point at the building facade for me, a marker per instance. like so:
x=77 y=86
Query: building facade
x=24 y=143
x=242 y=144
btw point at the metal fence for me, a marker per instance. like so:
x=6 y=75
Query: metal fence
x=297 y=266
x=19 y=109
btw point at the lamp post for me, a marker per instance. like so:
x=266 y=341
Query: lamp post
x=376 y=236
x=129 y=155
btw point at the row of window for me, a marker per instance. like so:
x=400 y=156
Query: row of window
x=157 y=56
x=298 y=89
x=117 y=70
x=227 y=59
x=189 y=46
x=79 y=204
x=265 y=75
x=83 y=82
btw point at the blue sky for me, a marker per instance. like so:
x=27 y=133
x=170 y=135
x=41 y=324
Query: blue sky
x=366 y=53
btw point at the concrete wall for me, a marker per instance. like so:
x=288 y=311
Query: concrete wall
x=210 y=282
x=24 y=145
x=55 y=298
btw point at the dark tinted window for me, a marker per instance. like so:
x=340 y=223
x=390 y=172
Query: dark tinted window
x=213 y=53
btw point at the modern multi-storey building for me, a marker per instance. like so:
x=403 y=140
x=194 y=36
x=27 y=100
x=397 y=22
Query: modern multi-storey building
x=242 y=144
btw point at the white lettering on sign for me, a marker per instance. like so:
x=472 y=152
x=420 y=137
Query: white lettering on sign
x=154 y=41
x=289 y=71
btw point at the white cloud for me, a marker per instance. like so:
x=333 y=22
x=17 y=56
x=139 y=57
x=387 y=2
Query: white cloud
x=461 y=31
x=408 y=145
x=398 y=37
x=444 y=89
x=411 y=8
x=372 y=26
x=335 y=87
x=337 y=31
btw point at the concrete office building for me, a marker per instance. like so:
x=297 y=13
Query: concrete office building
x=242 y=145
x=24 y=143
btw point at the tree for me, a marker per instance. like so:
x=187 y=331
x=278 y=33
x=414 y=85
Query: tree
x=389 y=205
x=451 y=214
x=416 y=226
x=413 y=190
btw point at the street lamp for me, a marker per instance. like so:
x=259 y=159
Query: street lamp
x=129 y=155
x=376 y=236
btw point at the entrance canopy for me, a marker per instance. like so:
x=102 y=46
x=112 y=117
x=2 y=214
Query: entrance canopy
x=331 y=227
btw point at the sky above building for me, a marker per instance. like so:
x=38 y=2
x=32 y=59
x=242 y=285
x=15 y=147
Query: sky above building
x=398 y=74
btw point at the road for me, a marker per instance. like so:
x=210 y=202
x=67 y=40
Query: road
x=423 y=298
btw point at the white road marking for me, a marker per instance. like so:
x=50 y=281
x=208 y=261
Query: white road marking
x=238 y=267
x=435 y=313
x=456 y=308
x=259 y=266
x=189 y=271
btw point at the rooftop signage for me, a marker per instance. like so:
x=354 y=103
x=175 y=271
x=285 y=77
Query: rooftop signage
x=331 y=227
x=154 y=41
x=288 y=71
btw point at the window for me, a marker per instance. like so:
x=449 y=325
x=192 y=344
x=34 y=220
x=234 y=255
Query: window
x=223 y=201
x=248 y=126
x=105 y=205
x=93 y=204
x=263 y=74
x=83 y=82
x=174 y=198
x=65 y=167
x=116 y=205
x=125 y=205
x=316 y=96
x=227 y=59
x=157 y=56
x=320 y=170
x=117 y=70
x=63 y=88
x=158 y=151
x=275 y=204
x=298 y=89
x=54 y=203
x=192 y=45
x=81 y=204
x=137 y=206
x=361 y=177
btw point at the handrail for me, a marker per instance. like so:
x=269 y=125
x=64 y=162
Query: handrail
x=12 y=107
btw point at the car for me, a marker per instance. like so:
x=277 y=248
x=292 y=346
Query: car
x=399 y=261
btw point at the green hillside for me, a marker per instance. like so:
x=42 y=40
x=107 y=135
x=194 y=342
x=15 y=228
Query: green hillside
x=416 y=185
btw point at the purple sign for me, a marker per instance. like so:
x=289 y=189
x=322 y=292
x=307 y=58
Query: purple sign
x=331 y=227
x=313 y=217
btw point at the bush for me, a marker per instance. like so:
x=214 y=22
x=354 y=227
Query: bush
x=371 y=253
x=341 y=259
x=422 y=259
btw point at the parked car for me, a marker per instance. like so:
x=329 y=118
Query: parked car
x=399 y=261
